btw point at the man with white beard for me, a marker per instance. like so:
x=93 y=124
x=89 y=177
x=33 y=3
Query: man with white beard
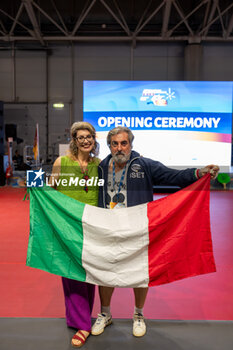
x=128 y=181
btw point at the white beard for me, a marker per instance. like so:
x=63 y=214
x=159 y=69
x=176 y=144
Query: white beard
x=121 y=158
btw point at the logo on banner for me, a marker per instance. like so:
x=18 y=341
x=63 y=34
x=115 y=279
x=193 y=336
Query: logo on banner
x=35 y=178
x=158 y=97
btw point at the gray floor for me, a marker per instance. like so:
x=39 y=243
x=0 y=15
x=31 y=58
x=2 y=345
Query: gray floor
x=52 y=334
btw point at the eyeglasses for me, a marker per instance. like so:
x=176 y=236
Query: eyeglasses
x=81 y=139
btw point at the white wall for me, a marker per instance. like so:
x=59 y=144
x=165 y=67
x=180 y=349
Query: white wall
x=26 y=86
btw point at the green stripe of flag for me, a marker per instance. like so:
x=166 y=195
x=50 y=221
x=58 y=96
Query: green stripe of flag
x=62 y=256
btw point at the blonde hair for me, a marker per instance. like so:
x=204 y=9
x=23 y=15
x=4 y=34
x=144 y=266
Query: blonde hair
x=73 y=132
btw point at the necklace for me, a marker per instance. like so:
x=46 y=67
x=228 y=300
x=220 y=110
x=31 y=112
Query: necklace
x=114 y=179
x=84 y=171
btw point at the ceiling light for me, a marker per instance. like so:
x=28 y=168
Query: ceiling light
x=58 y=105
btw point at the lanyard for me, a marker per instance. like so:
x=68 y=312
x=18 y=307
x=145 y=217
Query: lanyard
x=114 y=178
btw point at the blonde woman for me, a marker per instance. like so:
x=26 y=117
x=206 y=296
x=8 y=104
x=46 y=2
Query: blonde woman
x=81 y=162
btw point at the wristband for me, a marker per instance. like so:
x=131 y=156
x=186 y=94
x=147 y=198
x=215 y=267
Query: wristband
x=197 y=173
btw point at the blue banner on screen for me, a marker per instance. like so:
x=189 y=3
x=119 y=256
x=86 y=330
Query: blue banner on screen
x=178 y=123
x=211 y=122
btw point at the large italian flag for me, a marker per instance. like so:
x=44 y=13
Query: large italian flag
x=146 y=245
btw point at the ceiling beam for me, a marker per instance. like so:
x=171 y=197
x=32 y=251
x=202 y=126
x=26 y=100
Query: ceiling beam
x=143 y=16
x=32 y=17
x=82 y=17
x=3 y=27
x=138 y=30
x=186 y=17
x=126 y=29
x=16 y=18
x=17 y=22
x=59 y=16
x=8 y=38
x=211 y=9
x=166 y=17
x=203 y=24
x=49 y=18
x=230 y=27
x=122 y=17
x=183 y=18
x=215 y=19
x=212 y=12
x=221 y=21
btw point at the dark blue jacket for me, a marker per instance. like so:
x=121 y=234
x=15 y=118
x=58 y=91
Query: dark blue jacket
x=141 y=176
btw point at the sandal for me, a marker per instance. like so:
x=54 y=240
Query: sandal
x=82 y=339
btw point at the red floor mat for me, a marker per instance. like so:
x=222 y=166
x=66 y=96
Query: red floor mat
x=27 y=292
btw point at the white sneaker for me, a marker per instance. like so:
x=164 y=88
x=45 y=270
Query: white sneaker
x=102 y=321
x=139 y=326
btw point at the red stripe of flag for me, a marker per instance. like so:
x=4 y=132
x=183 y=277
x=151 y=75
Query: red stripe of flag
x=179 y=235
